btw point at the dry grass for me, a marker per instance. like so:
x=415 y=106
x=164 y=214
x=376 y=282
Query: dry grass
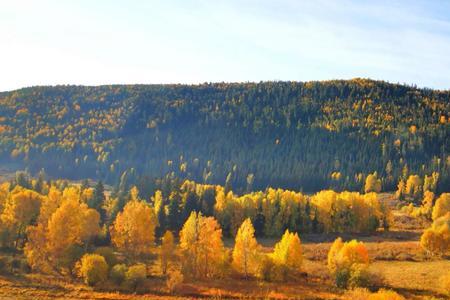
x=413 y=278
x=42 y=287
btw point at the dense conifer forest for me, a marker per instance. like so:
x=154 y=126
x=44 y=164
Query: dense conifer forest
x=246 y=136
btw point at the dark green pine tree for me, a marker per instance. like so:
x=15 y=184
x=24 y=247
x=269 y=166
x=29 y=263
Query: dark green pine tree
x=85 y=184
x=173 y=214
x=98 y=200
x=39 y=185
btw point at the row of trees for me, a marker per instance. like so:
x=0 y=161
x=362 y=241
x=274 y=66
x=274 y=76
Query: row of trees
x=272 y=211
x=38 y=222
x=56 y=229
x=414 y=188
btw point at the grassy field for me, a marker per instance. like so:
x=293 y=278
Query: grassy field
x=397 y=260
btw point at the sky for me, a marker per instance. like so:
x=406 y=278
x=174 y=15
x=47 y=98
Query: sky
x=85 y=42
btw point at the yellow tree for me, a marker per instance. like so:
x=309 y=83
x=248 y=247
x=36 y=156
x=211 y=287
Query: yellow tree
x=353 y=252
x=51 y=240
x=50 y=204
x=246 y=250
x=347 y=261
x=442 y=206
x=73 y=223
x=133 y=231
x=373 y=184
x=20 y=210
x=333 y=254
x=201 y=245
x=413 y=186
x=210 y=245
x=400 y=190
x=288 y=252
x=167 y=251
x=436 y=239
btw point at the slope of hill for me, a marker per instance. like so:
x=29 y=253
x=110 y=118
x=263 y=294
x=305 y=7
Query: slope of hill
x=285 y=134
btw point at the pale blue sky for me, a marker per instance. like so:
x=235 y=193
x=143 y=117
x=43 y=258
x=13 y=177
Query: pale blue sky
x=93 y=42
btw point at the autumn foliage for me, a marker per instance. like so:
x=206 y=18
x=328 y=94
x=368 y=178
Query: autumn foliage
x=58 y=241
x=93 y=269
x=201 y=246
x=288 y=252
x=167 y=251
x=133 y=230
x=246 y=249
x=436 y=239
x=348 y=262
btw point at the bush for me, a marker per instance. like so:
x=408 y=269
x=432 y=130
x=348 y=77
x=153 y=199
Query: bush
x=359 y=276
x=364 y=294
x=93 y=269
x=348 y=263
x=108 y=254
x=436 y=239
x=269 y=270
x=265 y=269
x=357 y=294
x=136 y=274
x=385 y=295
x=174 y=280
x=341 y=277
x=118 y=273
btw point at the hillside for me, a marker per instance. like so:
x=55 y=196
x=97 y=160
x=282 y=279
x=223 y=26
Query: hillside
x=303 y=136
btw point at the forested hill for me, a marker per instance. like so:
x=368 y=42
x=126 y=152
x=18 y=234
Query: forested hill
x=303 y=136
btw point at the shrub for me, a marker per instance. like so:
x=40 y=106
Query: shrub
x=266 y=267
x=270 y=270
x=174 y=280
x=341 y=277
x=442 y=206
x=357 y=294
x=364 y=294
x=118 y=273
x=348 y=263
x=136 y=274
x=108 y=254
x=93 y=269
x=359 y=276
x=281 y=272
x=385 y=295
x=436 y=239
